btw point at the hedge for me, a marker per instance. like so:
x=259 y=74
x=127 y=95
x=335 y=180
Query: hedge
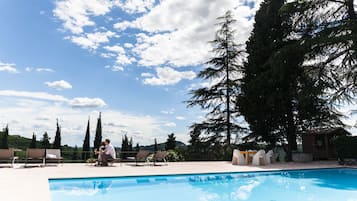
x=346 y=147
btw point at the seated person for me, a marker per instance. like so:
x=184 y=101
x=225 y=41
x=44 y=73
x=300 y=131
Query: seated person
x=108 y=153
x=99 y=151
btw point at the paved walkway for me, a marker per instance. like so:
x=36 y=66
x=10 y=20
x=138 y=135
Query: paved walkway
x=31 y=184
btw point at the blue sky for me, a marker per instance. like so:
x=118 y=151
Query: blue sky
x=133 y=60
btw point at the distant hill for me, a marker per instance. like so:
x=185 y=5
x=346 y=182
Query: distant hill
x=161 y=146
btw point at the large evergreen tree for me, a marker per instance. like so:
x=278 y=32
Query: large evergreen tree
x=332 y=54
x=4 y=141
x=98 y=132
x=279 y=99
x=57 y=140
x=86 y=144
x=45 y=141
x=170 y=142
x=223 y=71
x=33 y=144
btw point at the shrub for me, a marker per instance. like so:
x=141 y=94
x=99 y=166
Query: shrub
x=174 y=156
x=346 y=147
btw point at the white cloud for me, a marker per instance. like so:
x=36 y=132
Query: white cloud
x=78 y=102
x=8 y=67
x=169 y=76
x=170 y=124
x=128 y=45
x=45 y=70
x=169 y=111
x=123 y=25
x=147 y=75
x=180 y=118
x=116 y=48
x=86 y=102
x=40 y=116
x=117 y=68
x=59 y=85
x=136 y=6
x=92 y=41
x=76 y=14
x=181 y=40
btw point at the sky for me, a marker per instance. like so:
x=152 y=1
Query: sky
x=133 y=60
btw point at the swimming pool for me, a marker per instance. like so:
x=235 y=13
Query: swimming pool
x=295 y=185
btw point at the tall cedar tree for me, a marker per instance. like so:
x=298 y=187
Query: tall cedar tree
x=4 y=141
x=171 y=142
x=98 y=133
x=33 y=141
x=86 y=144
x=332 y=54
x=223 y=72
x=45 y=141
x=57 y=140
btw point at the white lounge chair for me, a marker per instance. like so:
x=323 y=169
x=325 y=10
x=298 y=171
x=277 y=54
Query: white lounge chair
x=238 y=158
x=269 y=157
x=259 y=158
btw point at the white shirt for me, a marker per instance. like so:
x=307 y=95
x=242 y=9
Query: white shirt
x=109 y=149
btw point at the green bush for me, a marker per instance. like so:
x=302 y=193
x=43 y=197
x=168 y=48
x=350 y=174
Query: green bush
x=174 y=156
x=346 y=147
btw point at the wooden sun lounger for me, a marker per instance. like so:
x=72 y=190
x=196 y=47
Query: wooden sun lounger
x=35 y=155
x=160 y=156
x=53 y=155
x=141 y=156
x=8 y=156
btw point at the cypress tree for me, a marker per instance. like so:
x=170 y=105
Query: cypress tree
x=137 y=147
x=171 y=142
x=98 y=133
x=45 y=141
x=57 y=140
x=156 y=147
x=220 y=97
x=33 y=144
x=86 y=144
x=4 y=140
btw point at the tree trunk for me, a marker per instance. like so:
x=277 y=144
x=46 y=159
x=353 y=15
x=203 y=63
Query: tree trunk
x=291 y=130
x=350 y=9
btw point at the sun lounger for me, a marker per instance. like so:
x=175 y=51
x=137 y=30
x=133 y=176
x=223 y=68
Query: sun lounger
x=141 y=156
x=35 y=155
x=7 y=156
x=53 y=155
x=160 y=156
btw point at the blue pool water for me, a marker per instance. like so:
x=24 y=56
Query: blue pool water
x=298 y=185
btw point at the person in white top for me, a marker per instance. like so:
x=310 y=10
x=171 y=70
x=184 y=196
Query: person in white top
x=108 y=153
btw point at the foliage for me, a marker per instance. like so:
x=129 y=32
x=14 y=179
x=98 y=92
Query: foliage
x=75 y=156
x=126 y=146
x=45 y=141
x=98 y=133
x=86 y=144
x=222 y=71
x=57 y=141
x=346 y=147
x=329 y=27
x=174 y=156
x=33 y=141
x=5 y=138
x=171 y=142
x=156 y=148
x=279 y=97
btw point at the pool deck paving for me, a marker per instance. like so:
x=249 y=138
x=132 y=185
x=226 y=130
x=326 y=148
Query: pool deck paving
x=31 y=183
